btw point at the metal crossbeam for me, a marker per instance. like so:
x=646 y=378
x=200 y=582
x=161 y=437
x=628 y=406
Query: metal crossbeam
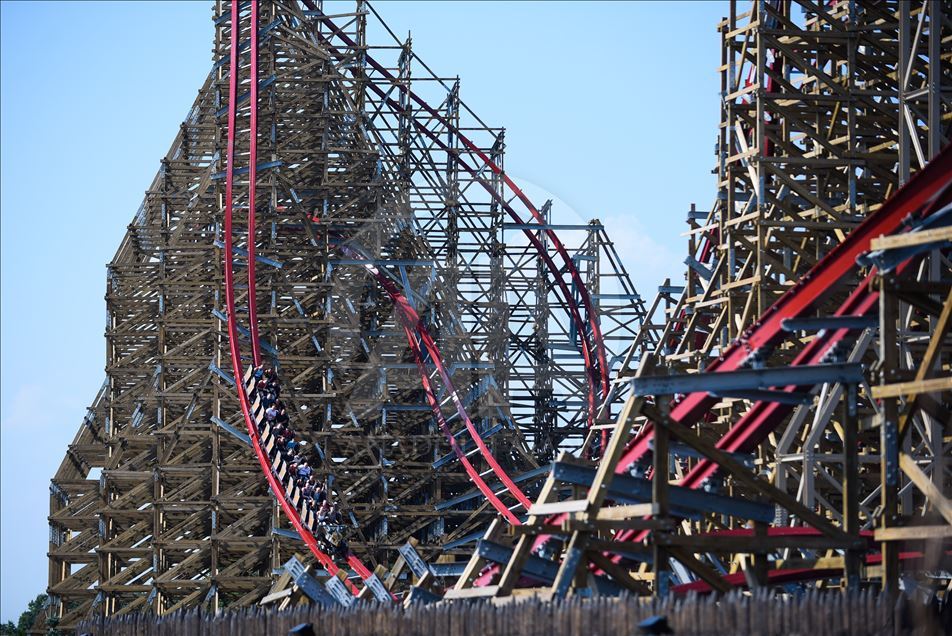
x=748 y=379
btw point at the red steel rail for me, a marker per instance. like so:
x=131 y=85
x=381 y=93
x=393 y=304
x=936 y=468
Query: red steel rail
x=595 y=362
x=276 y=487
x=252 y=187
x=922 y=195
x=928 y=191
x=413 y=326
x=791 y=575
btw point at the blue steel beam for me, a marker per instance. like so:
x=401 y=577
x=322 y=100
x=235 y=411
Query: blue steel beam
x=783 y=397
x=627 y=489
x=747 y=379
x=536 y=567
x=829 y=322
x=889 y=259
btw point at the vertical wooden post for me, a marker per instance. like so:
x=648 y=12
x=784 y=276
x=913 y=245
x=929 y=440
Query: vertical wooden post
x=851 y=485
x=759 y=567
x=659 y=496
x=889 y=433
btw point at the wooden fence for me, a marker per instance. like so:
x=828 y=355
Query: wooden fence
x=814 y=614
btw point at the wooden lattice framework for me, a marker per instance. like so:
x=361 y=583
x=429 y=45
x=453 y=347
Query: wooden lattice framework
x=826 y=110
x=159 y=503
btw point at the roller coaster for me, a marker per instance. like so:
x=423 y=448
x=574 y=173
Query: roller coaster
x=495 y=406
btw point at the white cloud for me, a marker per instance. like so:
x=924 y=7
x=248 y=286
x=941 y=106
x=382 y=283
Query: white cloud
x=647 y=260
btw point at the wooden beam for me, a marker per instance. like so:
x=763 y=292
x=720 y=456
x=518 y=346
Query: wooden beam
x=475 y=562
x=471 y=592
x=522 y=551
x=558 y=507
x=910 y=239
x=704 y=571
x=618 y=573
x=742 y=474
x=618 y=513
x=916 y=387
x=913 y=533
x=927 y=486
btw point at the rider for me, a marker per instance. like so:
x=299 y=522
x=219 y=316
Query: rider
x=335 y=515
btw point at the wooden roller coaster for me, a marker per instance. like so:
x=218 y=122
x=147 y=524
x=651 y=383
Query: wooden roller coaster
x=497 y=410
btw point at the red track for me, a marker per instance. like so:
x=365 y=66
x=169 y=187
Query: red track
x=596 y=366
x=928 y=191
x=792 y=575
x=276 y=487
x=595 y=362
x=408 y=316
x=751 y=428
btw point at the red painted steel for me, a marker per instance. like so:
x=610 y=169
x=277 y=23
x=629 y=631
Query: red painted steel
x=931 y=182
x=778 y=577
x=929 y=190
x=596 y=368
x=276 y=487
x=923 y=195
x=798 y=300
x=413 y=324
x=252 y=186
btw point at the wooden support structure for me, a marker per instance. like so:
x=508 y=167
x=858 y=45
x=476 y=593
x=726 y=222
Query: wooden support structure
x=159 y=503
x=826 y=111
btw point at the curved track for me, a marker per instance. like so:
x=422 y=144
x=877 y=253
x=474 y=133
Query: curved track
x=927 y=192
x=592 y=344
x=413 y=327
x=239 y=373
x=691 y=408
x=593 y=352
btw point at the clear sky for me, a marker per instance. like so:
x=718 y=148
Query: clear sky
x=606 y=108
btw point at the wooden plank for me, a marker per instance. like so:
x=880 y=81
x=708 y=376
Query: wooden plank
x=471 y=592
x=476 y=563
x=618 y=513
x=928 y=359
x=705 y=572
x=900 y=389
x=616 y=446
x=394 y=575
x=820 y=563
x=910 y=239
x=573 y=559
x=927 y=486
x=558 y=507
x=618 y=573
x=913 y=533
x=277 y=596
x=512 y=571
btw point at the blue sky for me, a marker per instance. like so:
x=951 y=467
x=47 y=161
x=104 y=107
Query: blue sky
x=605 y=109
